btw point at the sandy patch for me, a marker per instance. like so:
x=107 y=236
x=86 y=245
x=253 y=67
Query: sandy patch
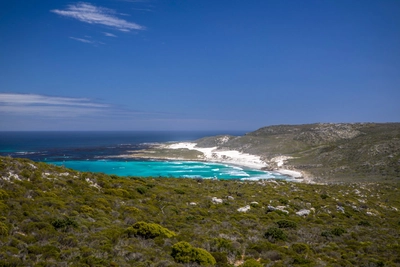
x=223 y=156
x=237 y=158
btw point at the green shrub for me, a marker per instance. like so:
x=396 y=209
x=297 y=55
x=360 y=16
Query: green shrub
x=221 y=259
x=64 y=223
x=254 y=205
x=3 y=229
x=149 y=230
x=300 y=248
x=326 y=234
x=251 y=263
x=179 y=191
x=131 y=210
x=203 y=257
x=302 y=261
x=68 y=241
x=11 y=262
x=284 y=201
x=286 y=224
x=141 y=190
x=183 y=252
x=364 y=223
x=222 y=244
x=262 y=246
x=274 y=233
x=338 y=231
x=324 y=196
x=86 y=209
x=3 y=194
x=47 y=251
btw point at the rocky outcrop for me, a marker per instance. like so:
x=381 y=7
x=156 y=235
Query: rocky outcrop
x=303 y=212
x=327 y=133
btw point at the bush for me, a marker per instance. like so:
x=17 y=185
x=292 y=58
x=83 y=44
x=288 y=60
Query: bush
x=149 y=230
x=179 y=191
x=286 y=224
x=183 y=252
x=221 y=244
x=284 y=201
x=324 y=196
x=3 y=229
x=203 y=257
x=338 y=231
x=47 y=251
x=326 y=234
x=86 y=209
x=252 y=263
x=364 y=223
x=3 y=194
x=141 y=190
x=57 y=224
x=300 y=248
x=275 y=234
x=220 y=258
x=302 y=261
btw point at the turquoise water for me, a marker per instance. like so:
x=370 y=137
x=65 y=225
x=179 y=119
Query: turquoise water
x=100 y=152
x=178 y=169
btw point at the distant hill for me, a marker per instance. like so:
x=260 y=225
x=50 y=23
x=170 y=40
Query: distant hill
x=340 y=152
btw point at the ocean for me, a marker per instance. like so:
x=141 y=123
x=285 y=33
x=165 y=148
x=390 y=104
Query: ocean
x=98 y=151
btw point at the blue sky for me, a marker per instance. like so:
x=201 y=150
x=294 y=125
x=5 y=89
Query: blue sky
x=197 y=64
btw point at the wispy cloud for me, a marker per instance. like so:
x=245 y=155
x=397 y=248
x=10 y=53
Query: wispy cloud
x=32 y=99
x=49 y=106
x=55 y=106
x=109 y=34
x=87 y=40
x=82 y=40
x=92 y=14
x=39 y=112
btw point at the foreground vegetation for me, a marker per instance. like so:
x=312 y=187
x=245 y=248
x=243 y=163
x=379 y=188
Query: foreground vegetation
x=53 y=216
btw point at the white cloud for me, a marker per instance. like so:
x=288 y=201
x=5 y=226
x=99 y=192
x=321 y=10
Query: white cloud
x=32 y=99
x=48 y=106
x=39 y=112
x=49 y=111
x=109 y=34
x=82 y=40
x=91 y=14
x=28 y=105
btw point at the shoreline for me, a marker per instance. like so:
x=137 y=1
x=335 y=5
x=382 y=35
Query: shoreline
x=230 y=157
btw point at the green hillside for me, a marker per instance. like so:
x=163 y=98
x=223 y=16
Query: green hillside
x=52 y=216
x=343 y=152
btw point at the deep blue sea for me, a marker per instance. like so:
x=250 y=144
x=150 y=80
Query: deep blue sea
x=98 y=151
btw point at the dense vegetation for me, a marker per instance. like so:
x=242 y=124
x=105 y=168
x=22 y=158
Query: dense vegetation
x=343 y=152
x=53 y=216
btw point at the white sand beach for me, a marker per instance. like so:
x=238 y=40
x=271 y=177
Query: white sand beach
x=235 y=157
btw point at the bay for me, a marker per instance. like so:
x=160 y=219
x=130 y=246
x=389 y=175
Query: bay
x=100 y=151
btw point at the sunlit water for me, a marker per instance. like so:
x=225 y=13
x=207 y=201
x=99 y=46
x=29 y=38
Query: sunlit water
x=100 y=151
x=178 y=169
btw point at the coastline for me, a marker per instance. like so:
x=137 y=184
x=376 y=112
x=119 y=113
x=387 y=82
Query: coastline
x=231 y=157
